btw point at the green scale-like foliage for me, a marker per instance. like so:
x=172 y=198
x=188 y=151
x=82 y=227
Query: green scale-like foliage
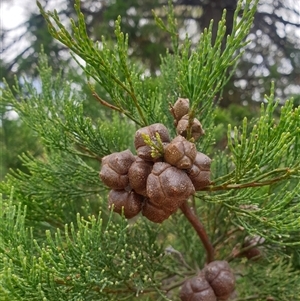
x=54 y=243
x=86 y=260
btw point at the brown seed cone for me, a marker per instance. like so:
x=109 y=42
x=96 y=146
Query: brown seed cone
x=180 y=153
x=138 y=174
x=180 y=108
x=168 y=186
x=143 y=150
x=200 y=171
x=254 y=253
x=220 y=278
x=154 y=213
x=197 y=289
x=115 y=168
x=129 y=200
x=196 y=129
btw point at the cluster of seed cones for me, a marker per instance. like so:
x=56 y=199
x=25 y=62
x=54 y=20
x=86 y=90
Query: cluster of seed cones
x=164 y=173
x=215 y=282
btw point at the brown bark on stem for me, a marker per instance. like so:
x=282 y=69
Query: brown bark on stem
x=197 y=225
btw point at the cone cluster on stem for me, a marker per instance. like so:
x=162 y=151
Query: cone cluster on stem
x=163 y=174
x=215 y=282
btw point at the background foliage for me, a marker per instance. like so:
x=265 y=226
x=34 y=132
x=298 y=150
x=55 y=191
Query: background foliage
x=273 y=53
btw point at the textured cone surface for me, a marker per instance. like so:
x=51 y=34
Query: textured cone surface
x=115 y=168
x=138 y=174
x=143 y=150
x=196 y=128
x=129 y=200
x=168 y=185
x=180 y=153
x=169 y=206
x=180 y=108
x=200 y=171
x=197 y=289
x=112 y=179
x=154 y=213
x=221 y=278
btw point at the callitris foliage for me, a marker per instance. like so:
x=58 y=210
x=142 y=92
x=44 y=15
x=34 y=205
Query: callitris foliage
x=195 y=223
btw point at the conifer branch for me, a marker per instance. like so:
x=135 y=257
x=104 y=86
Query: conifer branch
x=175 y=285
x=102 y=66
x=122 y=49
x=95 y=288
x=253 y=297
x=91 y=154
x=227 y=234
x=242 y=251
x=287 y=173
x=112 y=107
x=105 y=103
x=197 y=225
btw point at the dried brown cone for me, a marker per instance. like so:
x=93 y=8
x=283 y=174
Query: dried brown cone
x=196 y=128
x=180 y=108
x=143 y=150
x=252 y=245
x=180 y=153
x=115 y=168
x=197 y=289
x=168 y=187
x=252 y=254
x=138 y=174
x=220 y=278
x=200 y=171
x=155 y=214
x=129 y=200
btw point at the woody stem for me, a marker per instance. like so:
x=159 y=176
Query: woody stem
x=197 y=225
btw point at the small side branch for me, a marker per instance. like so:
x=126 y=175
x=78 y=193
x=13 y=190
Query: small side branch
x=112 y=107
x=287 y=173
x=197 y=225
x=105 y=103
x=91 y=154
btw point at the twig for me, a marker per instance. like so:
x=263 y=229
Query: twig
x=253 y=297
x=242 y=251
x=226 y=186
x=89 y=154
x=107 y=290
x=92 y=155
x=171 y=250
x=105 y=103
x=175 y=285
x=195 y=222
x=250 y=184
x=110 y=106
x=228 y=234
